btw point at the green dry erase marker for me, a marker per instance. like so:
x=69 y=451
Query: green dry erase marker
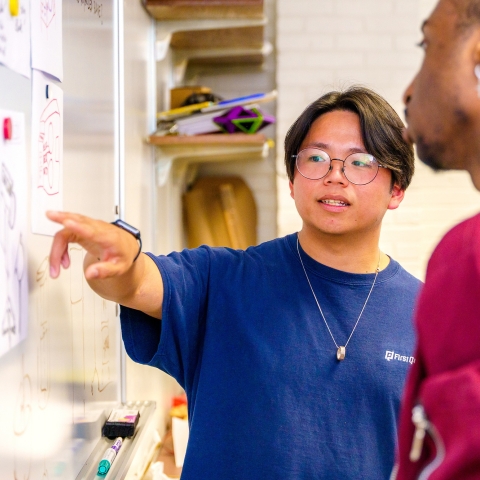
x=109 y=457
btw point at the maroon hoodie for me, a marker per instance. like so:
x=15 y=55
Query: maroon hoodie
x=444 y=382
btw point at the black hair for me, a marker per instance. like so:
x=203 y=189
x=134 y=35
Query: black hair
x=468 y=12
x=381 y=130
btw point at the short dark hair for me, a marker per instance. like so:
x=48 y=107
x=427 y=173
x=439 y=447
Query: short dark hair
x=381 y=130
x=468 y=13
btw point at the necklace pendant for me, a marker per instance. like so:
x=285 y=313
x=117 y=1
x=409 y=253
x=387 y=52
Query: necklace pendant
x=340 y=353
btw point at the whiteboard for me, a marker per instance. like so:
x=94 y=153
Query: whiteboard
x=58 y=383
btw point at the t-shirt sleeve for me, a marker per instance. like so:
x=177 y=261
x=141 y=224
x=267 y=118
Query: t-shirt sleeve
x=174 y=343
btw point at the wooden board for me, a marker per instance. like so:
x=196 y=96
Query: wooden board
x=220 y=212
x=212 y=139
x=241 y=38
x=254 y=60
x=201 y=9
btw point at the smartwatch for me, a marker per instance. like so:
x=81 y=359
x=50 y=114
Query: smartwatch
x=133 y=231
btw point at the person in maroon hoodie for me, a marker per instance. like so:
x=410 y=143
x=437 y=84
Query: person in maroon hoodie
x=439 y=435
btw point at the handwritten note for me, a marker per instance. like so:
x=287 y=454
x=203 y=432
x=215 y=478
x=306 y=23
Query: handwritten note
x=47 y=48
x=15 y=36
x=47 y=152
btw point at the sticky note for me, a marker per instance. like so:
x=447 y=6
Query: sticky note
x=14 y=8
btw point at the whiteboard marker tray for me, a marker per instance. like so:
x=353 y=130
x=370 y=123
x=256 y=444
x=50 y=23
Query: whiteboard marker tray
x=131 y=446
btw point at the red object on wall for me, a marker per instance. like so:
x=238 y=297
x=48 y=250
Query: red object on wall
x=7 y=128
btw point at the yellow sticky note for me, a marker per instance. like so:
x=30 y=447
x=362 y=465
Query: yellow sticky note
x=14 y=7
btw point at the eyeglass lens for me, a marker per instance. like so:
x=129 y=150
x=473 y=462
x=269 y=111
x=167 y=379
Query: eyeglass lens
x=358 y=168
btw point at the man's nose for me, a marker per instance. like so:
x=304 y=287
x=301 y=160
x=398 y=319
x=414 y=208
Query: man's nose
x=407 y=96
x=336 y=174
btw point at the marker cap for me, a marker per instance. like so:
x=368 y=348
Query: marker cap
x=103 y=467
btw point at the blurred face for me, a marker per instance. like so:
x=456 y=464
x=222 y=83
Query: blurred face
x=333 y=205
x=442 y=101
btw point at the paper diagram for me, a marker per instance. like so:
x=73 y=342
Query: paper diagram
x=15 y=35
x=47 y=152
x=13 y=221
x=47 y=49
x=47 y=12
x=48 y=143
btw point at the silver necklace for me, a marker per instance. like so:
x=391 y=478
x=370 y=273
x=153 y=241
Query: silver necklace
x=341 y=349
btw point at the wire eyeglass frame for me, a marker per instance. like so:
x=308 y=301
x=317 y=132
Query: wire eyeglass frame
x=375 y=161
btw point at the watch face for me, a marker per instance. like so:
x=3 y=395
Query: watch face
x=134 y=231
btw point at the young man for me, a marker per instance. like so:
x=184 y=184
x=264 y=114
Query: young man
x=293 y=353
x=439 y=434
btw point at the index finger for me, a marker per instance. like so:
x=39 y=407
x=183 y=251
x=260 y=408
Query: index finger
x=69 y=234
x=59 y=252
x=60 y=217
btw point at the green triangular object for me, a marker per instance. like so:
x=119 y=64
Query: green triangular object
x=249 y=125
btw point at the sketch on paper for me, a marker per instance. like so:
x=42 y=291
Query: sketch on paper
x=49 y=138
x=47 y=148
x=13 y=219
x=47 y=12
x=9 y=323
x=15 y=37
x=3 y=33
x=47 y=49
x=11 y=326
x=20 y=22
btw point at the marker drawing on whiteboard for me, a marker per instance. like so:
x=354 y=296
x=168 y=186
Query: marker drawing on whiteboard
x=94 y=6
x=109 y=457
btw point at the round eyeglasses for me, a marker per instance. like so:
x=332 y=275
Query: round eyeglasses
x=359 y=168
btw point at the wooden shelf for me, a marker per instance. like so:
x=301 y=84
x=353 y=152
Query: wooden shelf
x=218 y=56
x=209 y=31
x=201 y=9
x=226 y=139
x=177 y=153
x=243 y=37
x=189 y=38
x=221 y=46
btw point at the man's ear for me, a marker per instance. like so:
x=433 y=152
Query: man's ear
x=476 y=48
x=292 y=193
x=397 y=195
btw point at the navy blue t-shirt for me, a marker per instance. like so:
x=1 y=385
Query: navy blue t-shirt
x=267 y=398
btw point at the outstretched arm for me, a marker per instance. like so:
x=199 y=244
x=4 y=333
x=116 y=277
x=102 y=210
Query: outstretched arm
x=108 y=266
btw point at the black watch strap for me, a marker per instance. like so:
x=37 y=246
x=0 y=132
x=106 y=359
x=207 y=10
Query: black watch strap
x=133 y=231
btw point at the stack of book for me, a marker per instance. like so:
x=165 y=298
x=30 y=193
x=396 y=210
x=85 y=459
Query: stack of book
x=240 y=114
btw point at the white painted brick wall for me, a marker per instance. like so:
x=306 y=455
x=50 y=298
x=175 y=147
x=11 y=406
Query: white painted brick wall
x=331 y=44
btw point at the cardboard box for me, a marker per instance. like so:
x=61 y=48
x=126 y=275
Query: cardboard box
x=179 y=94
